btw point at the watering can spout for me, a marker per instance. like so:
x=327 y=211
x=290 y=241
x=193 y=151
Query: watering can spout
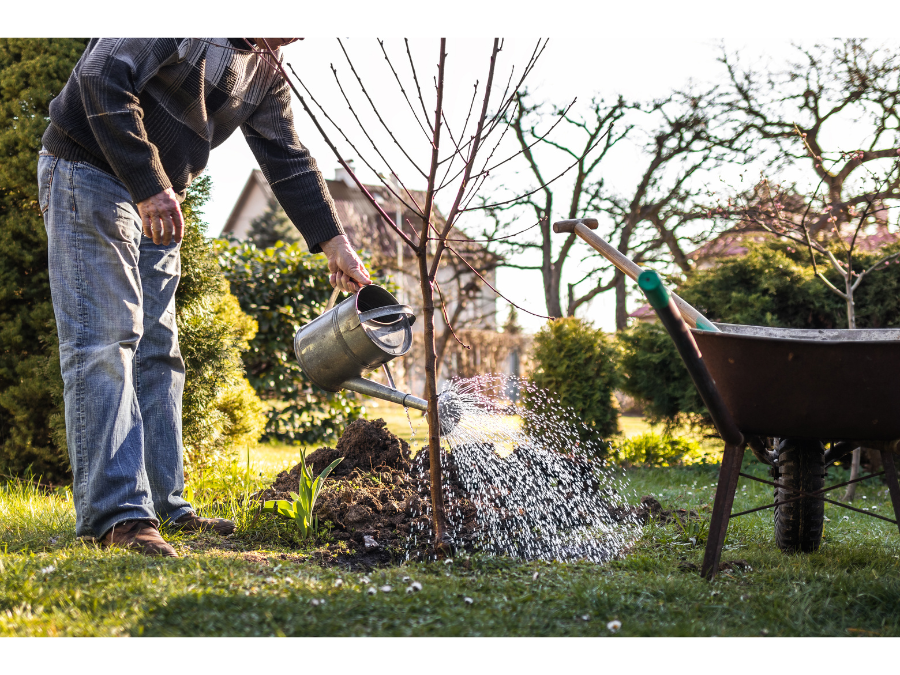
x=449 y=408
x=369 y=388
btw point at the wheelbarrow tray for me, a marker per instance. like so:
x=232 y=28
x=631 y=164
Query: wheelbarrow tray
x=807 y=383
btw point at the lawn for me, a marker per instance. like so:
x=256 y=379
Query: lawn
x=254 y=583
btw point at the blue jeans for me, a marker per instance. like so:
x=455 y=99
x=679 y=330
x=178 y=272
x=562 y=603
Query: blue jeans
x=114 y=297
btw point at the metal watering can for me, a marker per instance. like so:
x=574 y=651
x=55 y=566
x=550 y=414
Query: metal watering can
x=360 y=334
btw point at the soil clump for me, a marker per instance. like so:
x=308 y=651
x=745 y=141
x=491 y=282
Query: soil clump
x=375 y=499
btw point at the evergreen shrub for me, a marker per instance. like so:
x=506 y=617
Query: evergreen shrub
x=576 y=364
x=32 y=427
x=221 y=413
x=284 y=287
x=219 y=407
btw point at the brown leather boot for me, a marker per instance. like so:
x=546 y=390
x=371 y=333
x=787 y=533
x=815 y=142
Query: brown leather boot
x=191 y=522
x=138 y=535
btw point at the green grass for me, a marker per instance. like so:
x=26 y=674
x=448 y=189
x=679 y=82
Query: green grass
x=258 y=582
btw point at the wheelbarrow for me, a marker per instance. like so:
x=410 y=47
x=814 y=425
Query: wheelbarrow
x=799 y=399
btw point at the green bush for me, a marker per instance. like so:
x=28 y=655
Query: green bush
x=32 y=427
x=284 y=287
x=218 y=410
x=651 y=449
x=576 y=363
x=653 y=373
x=772 y=285
x=221 y=413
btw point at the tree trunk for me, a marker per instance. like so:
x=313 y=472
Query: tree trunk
x=850 y=492
x=439 y=517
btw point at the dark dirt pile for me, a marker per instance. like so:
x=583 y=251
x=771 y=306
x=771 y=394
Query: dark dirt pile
x=378 y=498
x=651 y=509
x=375 y=498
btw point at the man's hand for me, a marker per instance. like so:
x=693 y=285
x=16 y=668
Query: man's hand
x=347 y=270
x=161 y=218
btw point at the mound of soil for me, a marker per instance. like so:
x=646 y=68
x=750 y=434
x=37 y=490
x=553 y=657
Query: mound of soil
x=375 y=499
x=366 y=445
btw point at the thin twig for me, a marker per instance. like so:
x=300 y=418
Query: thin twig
x=375 y=109
x=387 y=219
x=446 y=318
x=412 y=67
x=402 y=90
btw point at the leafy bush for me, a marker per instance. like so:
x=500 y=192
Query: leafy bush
x=221 y=412
x=772 y=285
x=32 y=427
x=283 y=288
x=32 y=424
x=576 y=363
x=653 y=373
x=651 y=449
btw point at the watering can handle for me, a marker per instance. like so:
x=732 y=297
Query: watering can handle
x=387 y=311
x=334 y=296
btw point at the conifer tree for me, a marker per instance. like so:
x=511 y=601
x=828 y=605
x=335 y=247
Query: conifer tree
x=32 y=428
x=220 y=408
x=273 y=226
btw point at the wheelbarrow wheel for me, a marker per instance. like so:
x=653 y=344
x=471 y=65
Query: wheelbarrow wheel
x=799 y=464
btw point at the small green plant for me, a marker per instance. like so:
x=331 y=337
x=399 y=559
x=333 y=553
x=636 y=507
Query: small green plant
x=301 y=509
x=651 y=449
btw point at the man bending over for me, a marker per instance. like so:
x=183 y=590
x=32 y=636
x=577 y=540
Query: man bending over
x=131 y=129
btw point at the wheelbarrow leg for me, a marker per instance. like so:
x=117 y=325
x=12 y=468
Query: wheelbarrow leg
x=890 y=475
x=718 y=525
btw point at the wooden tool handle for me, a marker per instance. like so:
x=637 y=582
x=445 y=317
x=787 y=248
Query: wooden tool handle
x=583 y=227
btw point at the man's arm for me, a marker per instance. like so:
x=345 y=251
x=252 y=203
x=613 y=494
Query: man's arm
x=299 y=186
x=114 y=70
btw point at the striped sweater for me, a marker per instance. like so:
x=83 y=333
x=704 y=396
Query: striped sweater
x=150 y=110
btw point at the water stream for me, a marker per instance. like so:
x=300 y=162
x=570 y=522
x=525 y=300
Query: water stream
x=536 y=490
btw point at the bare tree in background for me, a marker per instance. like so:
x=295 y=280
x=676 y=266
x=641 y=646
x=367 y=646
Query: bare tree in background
x=545 y=201
x=797 y=112
x=456 y=159
x=661 y=219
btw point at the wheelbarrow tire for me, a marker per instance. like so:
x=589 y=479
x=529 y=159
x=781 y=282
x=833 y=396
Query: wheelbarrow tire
x=799 y=464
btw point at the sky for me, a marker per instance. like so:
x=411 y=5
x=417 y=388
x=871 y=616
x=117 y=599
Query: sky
x=640 y=50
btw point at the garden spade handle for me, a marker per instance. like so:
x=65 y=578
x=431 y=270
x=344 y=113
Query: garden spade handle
x=583 y=226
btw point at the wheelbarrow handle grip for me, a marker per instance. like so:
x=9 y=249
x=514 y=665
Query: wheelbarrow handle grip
x=582 y=227
x=662 y=301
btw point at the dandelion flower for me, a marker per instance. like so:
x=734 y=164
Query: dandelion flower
x=371 y=590
x=614 y=626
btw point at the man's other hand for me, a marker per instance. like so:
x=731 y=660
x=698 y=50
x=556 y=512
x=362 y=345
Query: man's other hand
x=347 y=271
x=161 y=218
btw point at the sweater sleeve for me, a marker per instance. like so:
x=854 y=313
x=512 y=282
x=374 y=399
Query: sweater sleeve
x=290 y=169
x=110 y=79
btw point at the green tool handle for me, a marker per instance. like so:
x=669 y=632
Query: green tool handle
x=662 y=301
